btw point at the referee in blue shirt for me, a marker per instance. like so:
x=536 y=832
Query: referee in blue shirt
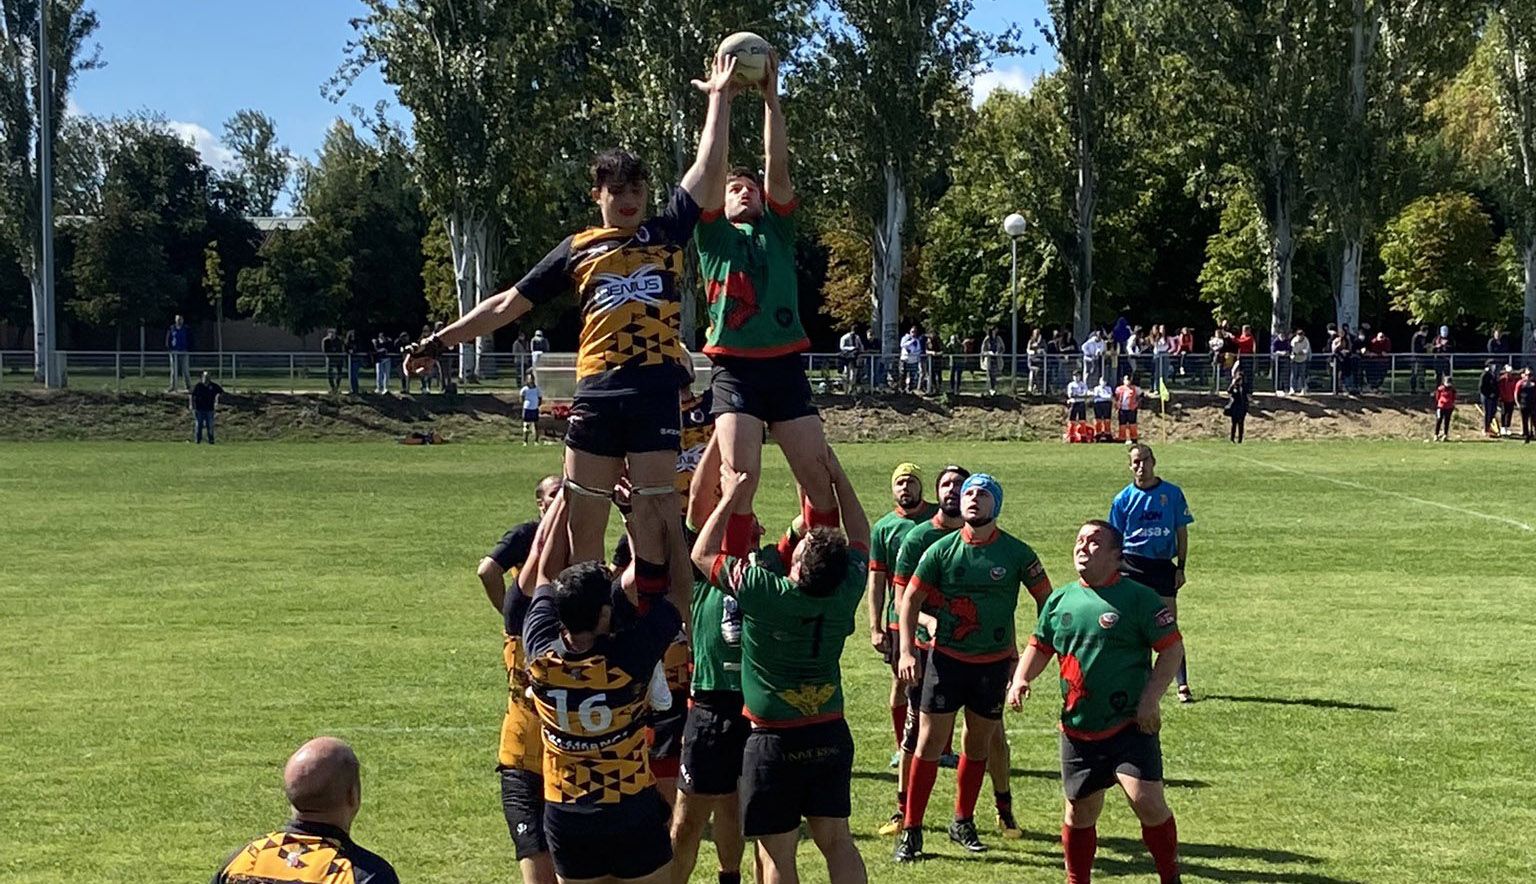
x=1154 y=518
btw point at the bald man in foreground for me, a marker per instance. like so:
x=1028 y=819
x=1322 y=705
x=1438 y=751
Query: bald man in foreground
x=323 y=788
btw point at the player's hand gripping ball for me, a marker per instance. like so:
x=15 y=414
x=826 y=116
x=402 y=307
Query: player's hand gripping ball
x=752 y=53
x=421 y=356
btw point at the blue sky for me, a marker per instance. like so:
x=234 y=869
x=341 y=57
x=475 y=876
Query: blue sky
x=199 y=61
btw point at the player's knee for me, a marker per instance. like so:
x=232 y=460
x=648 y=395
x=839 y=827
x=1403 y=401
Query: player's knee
x=1151 y=808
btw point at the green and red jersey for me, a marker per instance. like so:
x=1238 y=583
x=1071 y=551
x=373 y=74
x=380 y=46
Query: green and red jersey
x=972 y=586
x=716 y=640
x=917 y=541
x=792 y=643
x=749 y=281
x=1105 y=637
x=885 y=542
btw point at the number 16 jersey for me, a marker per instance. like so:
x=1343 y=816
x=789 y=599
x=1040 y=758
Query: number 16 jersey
x=592 y=706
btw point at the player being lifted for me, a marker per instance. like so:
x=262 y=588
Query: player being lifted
x=629 y=366
x=747 y=257
x=970 y=580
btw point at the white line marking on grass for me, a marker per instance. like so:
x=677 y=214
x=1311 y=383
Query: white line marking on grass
x=1356 y=485
x=418 y=729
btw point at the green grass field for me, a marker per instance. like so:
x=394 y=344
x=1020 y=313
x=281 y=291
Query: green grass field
x=177 y=619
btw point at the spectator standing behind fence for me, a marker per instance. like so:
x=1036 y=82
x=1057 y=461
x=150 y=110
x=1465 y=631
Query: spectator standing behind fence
x=1093 y=354
x=992 y=358
x=178 y=342
x=1445 y=406
x=1338 y=350
x=1418 y=347
x=1035 y=354
x=956 y=362
x=1378 y=354
x=1161 y=346
x=1238 y=395
x=850 y=350
x=381 y=363
x=1508 y=380
x=934 y=365
x=402 y=341
x=202 y=399
x=356 y=352
x=911 y=360
x=1488 y=396
x=1497 y=344
x=1525 y=395
x=1301 y=355
x=332 y=347
x=538 y=347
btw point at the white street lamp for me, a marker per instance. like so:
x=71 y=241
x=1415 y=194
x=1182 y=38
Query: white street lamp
x=1015 y=226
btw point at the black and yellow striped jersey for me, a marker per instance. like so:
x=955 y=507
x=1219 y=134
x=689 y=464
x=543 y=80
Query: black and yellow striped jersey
x=626 y=284
x=521 y=746
x=592 y=707
x=698 y=427
x=305 y=853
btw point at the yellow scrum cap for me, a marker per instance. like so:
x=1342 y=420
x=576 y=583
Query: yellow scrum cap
x=907 y=469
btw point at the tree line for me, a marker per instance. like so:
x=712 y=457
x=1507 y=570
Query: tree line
x=1280 y=163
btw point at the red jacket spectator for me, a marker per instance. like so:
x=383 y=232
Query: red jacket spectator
x=1508 y=381
x=1445 y=397
x=1380 y=345
x=1245 y=342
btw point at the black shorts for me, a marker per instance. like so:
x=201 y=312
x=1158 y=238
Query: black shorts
x=950 y=685
x=1089 y=766
x=530 y=415
x=1077 y=411
x=613 y=426
x=1155 y=574
x=522 y=801
x=892 y=652
x=1127 y=417
x=714 y=742
x=771 y=390
x=795 y=772
x=630 y=839
x=1101 y=411
x=667 y=736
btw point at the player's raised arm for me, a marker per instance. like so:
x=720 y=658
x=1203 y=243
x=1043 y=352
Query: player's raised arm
x=780 y=190
x=705 y=179
x=551 y=550
x=712 y=534
x=489 y=315
x=855 y=521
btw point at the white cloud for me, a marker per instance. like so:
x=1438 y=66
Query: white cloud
x=1014 y=79
x=212 y=150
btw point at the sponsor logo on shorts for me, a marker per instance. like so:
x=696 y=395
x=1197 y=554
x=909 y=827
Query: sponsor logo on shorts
x=522 y=828
x=668 y=431
x=1108 y=619
x=998 y=571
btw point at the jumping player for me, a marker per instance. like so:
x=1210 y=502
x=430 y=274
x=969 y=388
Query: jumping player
x=799 y=757
x=747 y=259
x=629 y=365
x=1153 y=517
x=970 y=580
x=1105 y=629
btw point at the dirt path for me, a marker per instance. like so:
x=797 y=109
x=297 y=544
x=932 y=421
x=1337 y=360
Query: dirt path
x=488 y=418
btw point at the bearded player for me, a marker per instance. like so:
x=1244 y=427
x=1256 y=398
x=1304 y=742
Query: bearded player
x=630 y=362
x=1105 y=628
x=970 y=580
x=747 y=259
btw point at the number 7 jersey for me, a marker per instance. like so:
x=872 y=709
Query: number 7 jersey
x=791 y=642
x=592 y=707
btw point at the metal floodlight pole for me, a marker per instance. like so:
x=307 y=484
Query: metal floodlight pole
x=51 y=377
x=1014 y=225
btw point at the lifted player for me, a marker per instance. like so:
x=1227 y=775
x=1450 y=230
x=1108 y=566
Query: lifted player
x=970 y=580
x=747 y=259
x=1105 y=629
x=629 y=366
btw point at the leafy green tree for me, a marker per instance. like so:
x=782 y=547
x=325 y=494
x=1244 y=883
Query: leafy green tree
x=301 y=281
x=1514 y=27
x=261 y=163
x=1440 y=263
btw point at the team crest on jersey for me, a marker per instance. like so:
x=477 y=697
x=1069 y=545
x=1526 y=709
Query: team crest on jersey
x=1108 y=619
x=808 y=698
x=1164 y=617
x=998 y=571
x=1162 y=499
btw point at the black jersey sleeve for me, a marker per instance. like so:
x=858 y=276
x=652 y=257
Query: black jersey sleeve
x=679 y=216
x=549 y=278
x=512 y=550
